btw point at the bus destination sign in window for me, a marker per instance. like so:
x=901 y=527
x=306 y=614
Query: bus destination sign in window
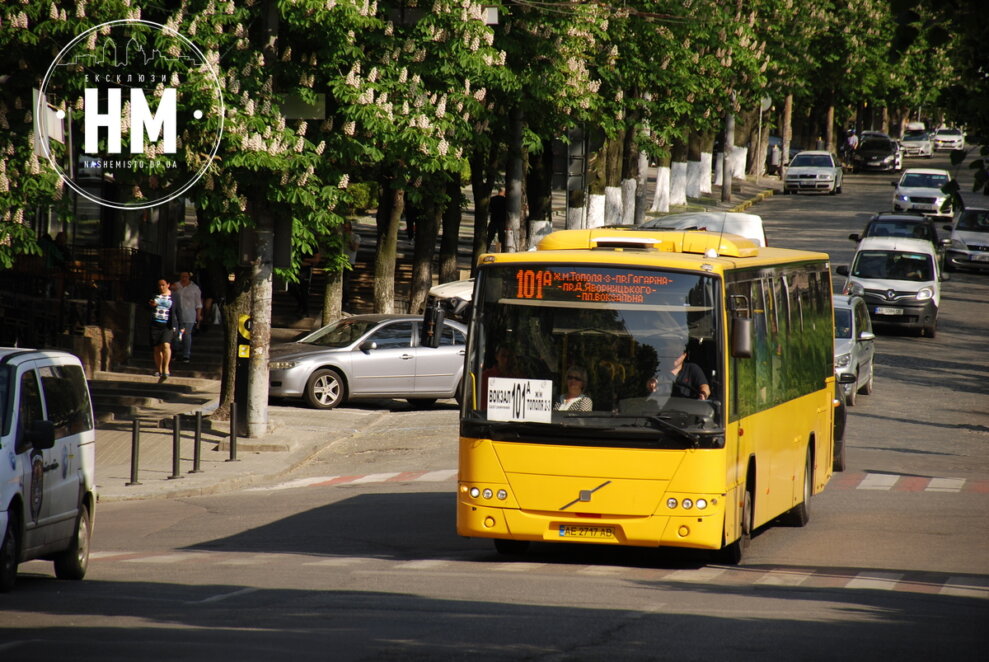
x=588 y=285
x=528 y=400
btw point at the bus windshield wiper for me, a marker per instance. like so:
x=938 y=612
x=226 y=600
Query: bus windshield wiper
x=660 y=421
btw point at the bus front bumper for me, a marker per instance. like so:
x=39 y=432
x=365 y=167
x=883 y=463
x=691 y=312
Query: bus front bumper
x=693 y=531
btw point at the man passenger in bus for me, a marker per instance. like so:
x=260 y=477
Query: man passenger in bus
x=573 y=397
x=681 y=379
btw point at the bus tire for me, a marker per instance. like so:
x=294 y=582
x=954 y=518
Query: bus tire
x=733 y=553
x=511 y=547
x=799 y=515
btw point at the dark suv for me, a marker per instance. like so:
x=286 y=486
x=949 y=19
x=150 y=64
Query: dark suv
x=903 y=224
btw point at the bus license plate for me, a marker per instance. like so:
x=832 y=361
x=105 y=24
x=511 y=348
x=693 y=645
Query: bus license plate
x=586 y=531
x=888 y=311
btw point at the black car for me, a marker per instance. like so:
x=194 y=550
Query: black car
x=901 y=224
x=875 y=153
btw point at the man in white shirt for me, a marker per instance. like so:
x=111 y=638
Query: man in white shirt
x=190 y=309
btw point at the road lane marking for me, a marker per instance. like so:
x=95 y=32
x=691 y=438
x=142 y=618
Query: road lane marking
x=517 y=566
x=601 y=571
x=421 y=564
x=444 y=474
x=338 y=562
x=875 y=580
x=179 y=557
x=374 y=478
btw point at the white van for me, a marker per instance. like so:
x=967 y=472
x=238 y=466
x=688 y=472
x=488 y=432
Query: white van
x=47 y=452
x=900 y=280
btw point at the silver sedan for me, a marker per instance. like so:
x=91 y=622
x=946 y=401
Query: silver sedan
x=369 y=356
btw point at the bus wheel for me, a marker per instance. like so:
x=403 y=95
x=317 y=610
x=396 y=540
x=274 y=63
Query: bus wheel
x=732 y=554
x=799 y=515
x=511 y=547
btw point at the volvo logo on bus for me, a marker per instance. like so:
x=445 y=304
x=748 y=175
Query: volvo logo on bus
x=585 y=495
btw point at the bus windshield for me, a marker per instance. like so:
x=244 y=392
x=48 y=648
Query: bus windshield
x=562 y=353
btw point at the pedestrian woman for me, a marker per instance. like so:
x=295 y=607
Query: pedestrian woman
x=164 y=323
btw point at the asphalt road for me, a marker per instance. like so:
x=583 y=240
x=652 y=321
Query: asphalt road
x=358 y=559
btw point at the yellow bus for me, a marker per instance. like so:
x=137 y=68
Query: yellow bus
x=645 y=388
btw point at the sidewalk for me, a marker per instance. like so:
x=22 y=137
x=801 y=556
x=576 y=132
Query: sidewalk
x=292 y=439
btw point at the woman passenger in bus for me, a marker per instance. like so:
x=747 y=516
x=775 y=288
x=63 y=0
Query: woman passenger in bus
x=573 y=398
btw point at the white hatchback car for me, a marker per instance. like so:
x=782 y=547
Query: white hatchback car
x=900 y=280
x=917 y=144
x=815 y=171
x=920 y=189
x=854 y=346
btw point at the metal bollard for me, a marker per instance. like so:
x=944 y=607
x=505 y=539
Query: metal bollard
x=135 y=451
x=197 y=454
x=176 y=446
x=233 y=432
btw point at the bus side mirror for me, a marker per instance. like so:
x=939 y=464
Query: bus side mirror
x=741 y=327
x=741 y=338
x=432 y=325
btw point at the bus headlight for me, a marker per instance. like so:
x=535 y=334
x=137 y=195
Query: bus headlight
x=671 y=503
x=502 y=495
x=487 y=493
x=701 y=504
x=474 y=492
x=688 y=504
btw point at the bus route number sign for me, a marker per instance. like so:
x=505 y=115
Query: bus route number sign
x=588 y=285
x=529 y=400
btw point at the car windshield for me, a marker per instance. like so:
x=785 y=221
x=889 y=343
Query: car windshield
x=949 y=132
x=811 y=161
x=923 y=180
x=913 y=137
x=842 y=323
x=894 y=265
x=339 y=334
x=877 y=144
x=974 y=220
x=897 y=229
x=613 y=335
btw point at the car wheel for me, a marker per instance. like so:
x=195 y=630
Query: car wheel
x=421 y=403
x=930 y=330
x=867 y=387
x=458 y=395
x=72 y=563
x=325 y=389
x=9 y=551
x=732 y=554
x=838 y=463
x=850 y=397
x=511 y=547
x=839 y=189
x=799 y=515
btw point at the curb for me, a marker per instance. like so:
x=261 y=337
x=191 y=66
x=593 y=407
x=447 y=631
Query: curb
x=751 y=201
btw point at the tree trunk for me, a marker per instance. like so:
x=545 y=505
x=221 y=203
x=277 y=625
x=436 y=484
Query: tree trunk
x=678 y=173
x=237 y=302
x=422 y=256
x=333 y=296
x=513 y=180
x=694 y=169
x=482 y=175
x=726 y=169
x=450 y=241
x=386 y=250
x=787 y=129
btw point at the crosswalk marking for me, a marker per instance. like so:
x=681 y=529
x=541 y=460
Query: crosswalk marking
x=966 y=587
x=875 y=580
x=698 y=575
x=946 y=485
x=783 y=578
x=878 y=481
